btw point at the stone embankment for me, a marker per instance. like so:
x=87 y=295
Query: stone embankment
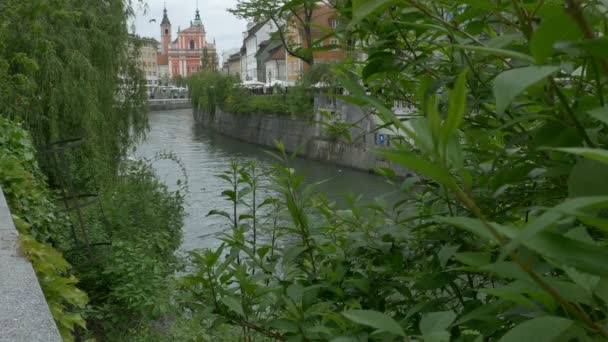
x=169 y=104
x=308 y=134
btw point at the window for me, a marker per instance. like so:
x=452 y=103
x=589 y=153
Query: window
x=166 y=31
x=335 y=23
x=334 y=42
x=191 y=44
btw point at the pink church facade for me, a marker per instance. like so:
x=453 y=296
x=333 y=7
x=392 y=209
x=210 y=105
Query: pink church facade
x=184 y=54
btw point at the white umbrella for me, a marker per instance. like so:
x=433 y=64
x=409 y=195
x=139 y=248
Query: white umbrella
x=321 y=85
x=279 y=83
x=253 y=84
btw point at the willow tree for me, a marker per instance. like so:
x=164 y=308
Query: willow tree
x=67 y=73
x=209 y=61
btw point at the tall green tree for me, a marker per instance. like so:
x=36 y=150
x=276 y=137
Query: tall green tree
x=209 y=61
x=67 y=73
x=288 y=16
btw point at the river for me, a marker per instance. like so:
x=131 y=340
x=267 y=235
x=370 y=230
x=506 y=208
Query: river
x=205 y=153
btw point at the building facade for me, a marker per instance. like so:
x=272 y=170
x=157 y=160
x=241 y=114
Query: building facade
x=147 y=58
x=323 y=16
x=184 y=55
x=256 y=34
x=232 y=65
x=271 y=56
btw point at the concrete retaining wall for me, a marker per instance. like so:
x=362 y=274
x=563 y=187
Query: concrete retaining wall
x=296 y=132
x=158 y=105
x=24 y=312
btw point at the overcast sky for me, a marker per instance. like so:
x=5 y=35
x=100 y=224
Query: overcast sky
x=219 y=24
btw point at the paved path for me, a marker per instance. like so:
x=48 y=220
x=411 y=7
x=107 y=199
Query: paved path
x=24 y=313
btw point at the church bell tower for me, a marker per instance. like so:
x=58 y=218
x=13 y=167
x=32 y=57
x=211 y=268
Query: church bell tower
x=165 y=32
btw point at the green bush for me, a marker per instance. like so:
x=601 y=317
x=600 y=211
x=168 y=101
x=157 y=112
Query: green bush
x=129 y=281
x=212 y=90
x=68 y=70
x=503 y=235
x=39 y=223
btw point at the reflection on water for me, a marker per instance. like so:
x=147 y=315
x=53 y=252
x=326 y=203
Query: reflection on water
x=206 y=153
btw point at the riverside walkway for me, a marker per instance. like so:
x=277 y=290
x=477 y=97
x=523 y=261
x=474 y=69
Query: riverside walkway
x=24 y=312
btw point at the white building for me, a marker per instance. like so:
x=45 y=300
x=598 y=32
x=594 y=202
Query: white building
x=227 y=53
x=271 y=58
x=164 y=77
x=255 y=34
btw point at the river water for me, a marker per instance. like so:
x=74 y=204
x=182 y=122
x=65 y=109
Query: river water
x=205 y=153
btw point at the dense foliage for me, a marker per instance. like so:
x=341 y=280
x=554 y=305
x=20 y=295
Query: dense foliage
x=68 y=71
x=504 y=236
x=129 y=279
x=288 y=16
x=212 y=90
x=38 y=221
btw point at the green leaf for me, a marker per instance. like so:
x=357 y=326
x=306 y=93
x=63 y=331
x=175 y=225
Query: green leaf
x=586 y=281
x=473 y=258
x=437 y=336
x=415 y=163
x=506 y=270
x=597 y=47
x=540 y=329
x=600 y=114
x=503 y=40
x=588 y=178
x=284 y=325
x=548 y=219
x=486 y=311
x=219 y=213
x=436 y=322
x=457 y=104
x=472 y=225
x=320 y=329
x=513 y=82
x=555 y=26
x=363 y=8
x=591 y=153
x=295 y=292
x=496 y=52
x=375 y=320
x=420 y=127
x=583 y=256
x=446 y=253
x=234 y=305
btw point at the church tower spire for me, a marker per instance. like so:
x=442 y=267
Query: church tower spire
x=197 y=18
x=165 y=31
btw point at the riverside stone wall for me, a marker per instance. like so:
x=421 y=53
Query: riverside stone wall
x=309 y=135
x=169 y=104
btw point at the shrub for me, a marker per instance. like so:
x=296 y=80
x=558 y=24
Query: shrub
x=212 y=90
x=39 y=223
x=503 y=237
x=129 y=280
